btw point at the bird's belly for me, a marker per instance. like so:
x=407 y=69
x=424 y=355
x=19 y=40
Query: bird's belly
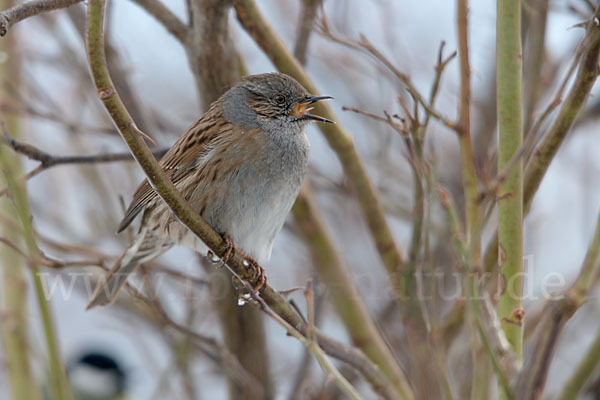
x=253 y=209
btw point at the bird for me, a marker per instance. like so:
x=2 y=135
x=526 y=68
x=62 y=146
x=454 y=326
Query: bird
x=240 y=166
x=96 y=375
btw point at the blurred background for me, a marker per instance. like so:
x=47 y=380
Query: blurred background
x=76 y=208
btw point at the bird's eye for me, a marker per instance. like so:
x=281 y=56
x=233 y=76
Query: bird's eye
x=279 y=99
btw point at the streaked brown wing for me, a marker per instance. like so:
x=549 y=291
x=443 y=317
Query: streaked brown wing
x=177 y=162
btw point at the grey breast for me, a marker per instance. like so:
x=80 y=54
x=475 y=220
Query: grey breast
x=260 y=192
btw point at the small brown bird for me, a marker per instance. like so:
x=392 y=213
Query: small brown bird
x=240 y=166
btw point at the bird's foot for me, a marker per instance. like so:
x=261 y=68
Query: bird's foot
x=258 y=274
x=229 y=248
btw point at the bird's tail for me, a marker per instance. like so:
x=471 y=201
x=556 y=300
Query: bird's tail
x=140 y=251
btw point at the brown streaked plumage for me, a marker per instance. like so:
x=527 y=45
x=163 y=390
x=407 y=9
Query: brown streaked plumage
x=208 y=131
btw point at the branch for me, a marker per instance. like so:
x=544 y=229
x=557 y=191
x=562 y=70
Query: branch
x=14 y=307
x=479 y=382
x=19 y=12
x=305 y=24
x=48 y=160
x=510 y=196
x=464 y=131
x=186 y=214
x=441 y=65
x=14 y=324
x=58 y=382
x=533 y=376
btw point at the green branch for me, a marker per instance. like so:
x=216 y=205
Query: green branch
x=510 y=196
x=59 y=384
x=13 y=314
x=13 y=303
x=13 y=307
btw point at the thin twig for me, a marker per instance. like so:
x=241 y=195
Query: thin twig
x=48 y=160
x=365 y=45
x=366 y=113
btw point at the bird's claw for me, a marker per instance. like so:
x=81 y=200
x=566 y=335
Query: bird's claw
x=258 y=272
x=258 y=275
x=229 y=248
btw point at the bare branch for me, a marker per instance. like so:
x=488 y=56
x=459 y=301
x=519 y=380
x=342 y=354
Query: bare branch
x=48 y=160
x=305 y=25
x=21 y=11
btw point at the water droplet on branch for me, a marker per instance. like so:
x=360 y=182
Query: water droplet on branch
x=213 y=257
x=243 y=299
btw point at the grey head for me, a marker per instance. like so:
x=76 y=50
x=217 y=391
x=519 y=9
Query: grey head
x=272 y=102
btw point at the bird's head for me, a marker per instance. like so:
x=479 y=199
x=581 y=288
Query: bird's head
x=271 y=98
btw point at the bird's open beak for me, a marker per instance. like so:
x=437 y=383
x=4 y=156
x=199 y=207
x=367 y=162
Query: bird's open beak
x=301 y=110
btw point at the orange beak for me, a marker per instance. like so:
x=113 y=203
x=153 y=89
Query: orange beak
x=301 y=110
